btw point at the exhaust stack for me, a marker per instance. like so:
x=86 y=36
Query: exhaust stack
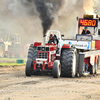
x=44 y=39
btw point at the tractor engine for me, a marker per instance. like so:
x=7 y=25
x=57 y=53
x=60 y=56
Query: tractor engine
x=46 y=56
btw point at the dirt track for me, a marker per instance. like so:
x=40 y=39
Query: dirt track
x=14 y=85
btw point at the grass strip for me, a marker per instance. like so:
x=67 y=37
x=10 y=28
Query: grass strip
x=11 y=64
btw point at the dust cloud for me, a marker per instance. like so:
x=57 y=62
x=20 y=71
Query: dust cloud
x=33 y=18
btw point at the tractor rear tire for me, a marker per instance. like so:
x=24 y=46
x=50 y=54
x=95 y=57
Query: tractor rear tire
x=68 y=62
x=56 y=69
x=32 y=54
x=28 y=70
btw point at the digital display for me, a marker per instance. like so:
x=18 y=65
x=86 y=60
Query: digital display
x=88 y=22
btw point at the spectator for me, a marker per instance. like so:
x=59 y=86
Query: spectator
x=86 y=32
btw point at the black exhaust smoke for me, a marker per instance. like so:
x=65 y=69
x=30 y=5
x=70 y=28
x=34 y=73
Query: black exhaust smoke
x=45 y=13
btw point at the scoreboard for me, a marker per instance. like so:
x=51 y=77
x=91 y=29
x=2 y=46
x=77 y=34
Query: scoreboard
x=88 y=22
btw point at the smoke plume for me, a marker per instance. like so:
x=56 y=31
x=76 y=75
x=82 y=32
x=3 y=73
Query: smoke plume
x=46 y=14
x=50 y=11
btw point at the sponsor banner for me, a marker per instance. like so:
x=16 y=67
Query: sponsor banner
x=79 y=44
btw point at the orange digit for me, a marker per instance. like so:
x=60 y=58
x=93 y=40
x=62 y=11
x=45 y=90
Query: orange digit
x=82 y=22
x=86 y=22
x=94 y=23
x=89 y=23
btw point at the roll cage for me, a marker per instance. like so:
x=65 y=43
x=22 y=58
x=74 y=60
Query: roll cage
x=54 y=32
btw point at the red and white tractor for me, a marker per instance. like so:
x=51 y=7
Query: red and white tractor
x=68 y=58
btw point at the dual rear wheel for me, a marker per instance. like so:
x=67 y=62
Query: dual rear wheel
x=68 y=63
x=67 y=68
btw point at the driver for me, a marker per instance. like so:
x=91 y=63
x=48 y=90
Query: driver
x=51 y=39
x=86 y=32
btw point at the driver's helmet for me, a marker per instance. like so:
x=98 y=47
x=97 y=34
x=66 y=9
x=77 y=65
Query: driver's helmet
x=51 y=37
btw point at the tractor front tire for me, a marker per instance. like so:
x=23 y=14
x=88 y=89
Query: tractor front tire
x=68 y=62
x=28 y=70
x=56 y=69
